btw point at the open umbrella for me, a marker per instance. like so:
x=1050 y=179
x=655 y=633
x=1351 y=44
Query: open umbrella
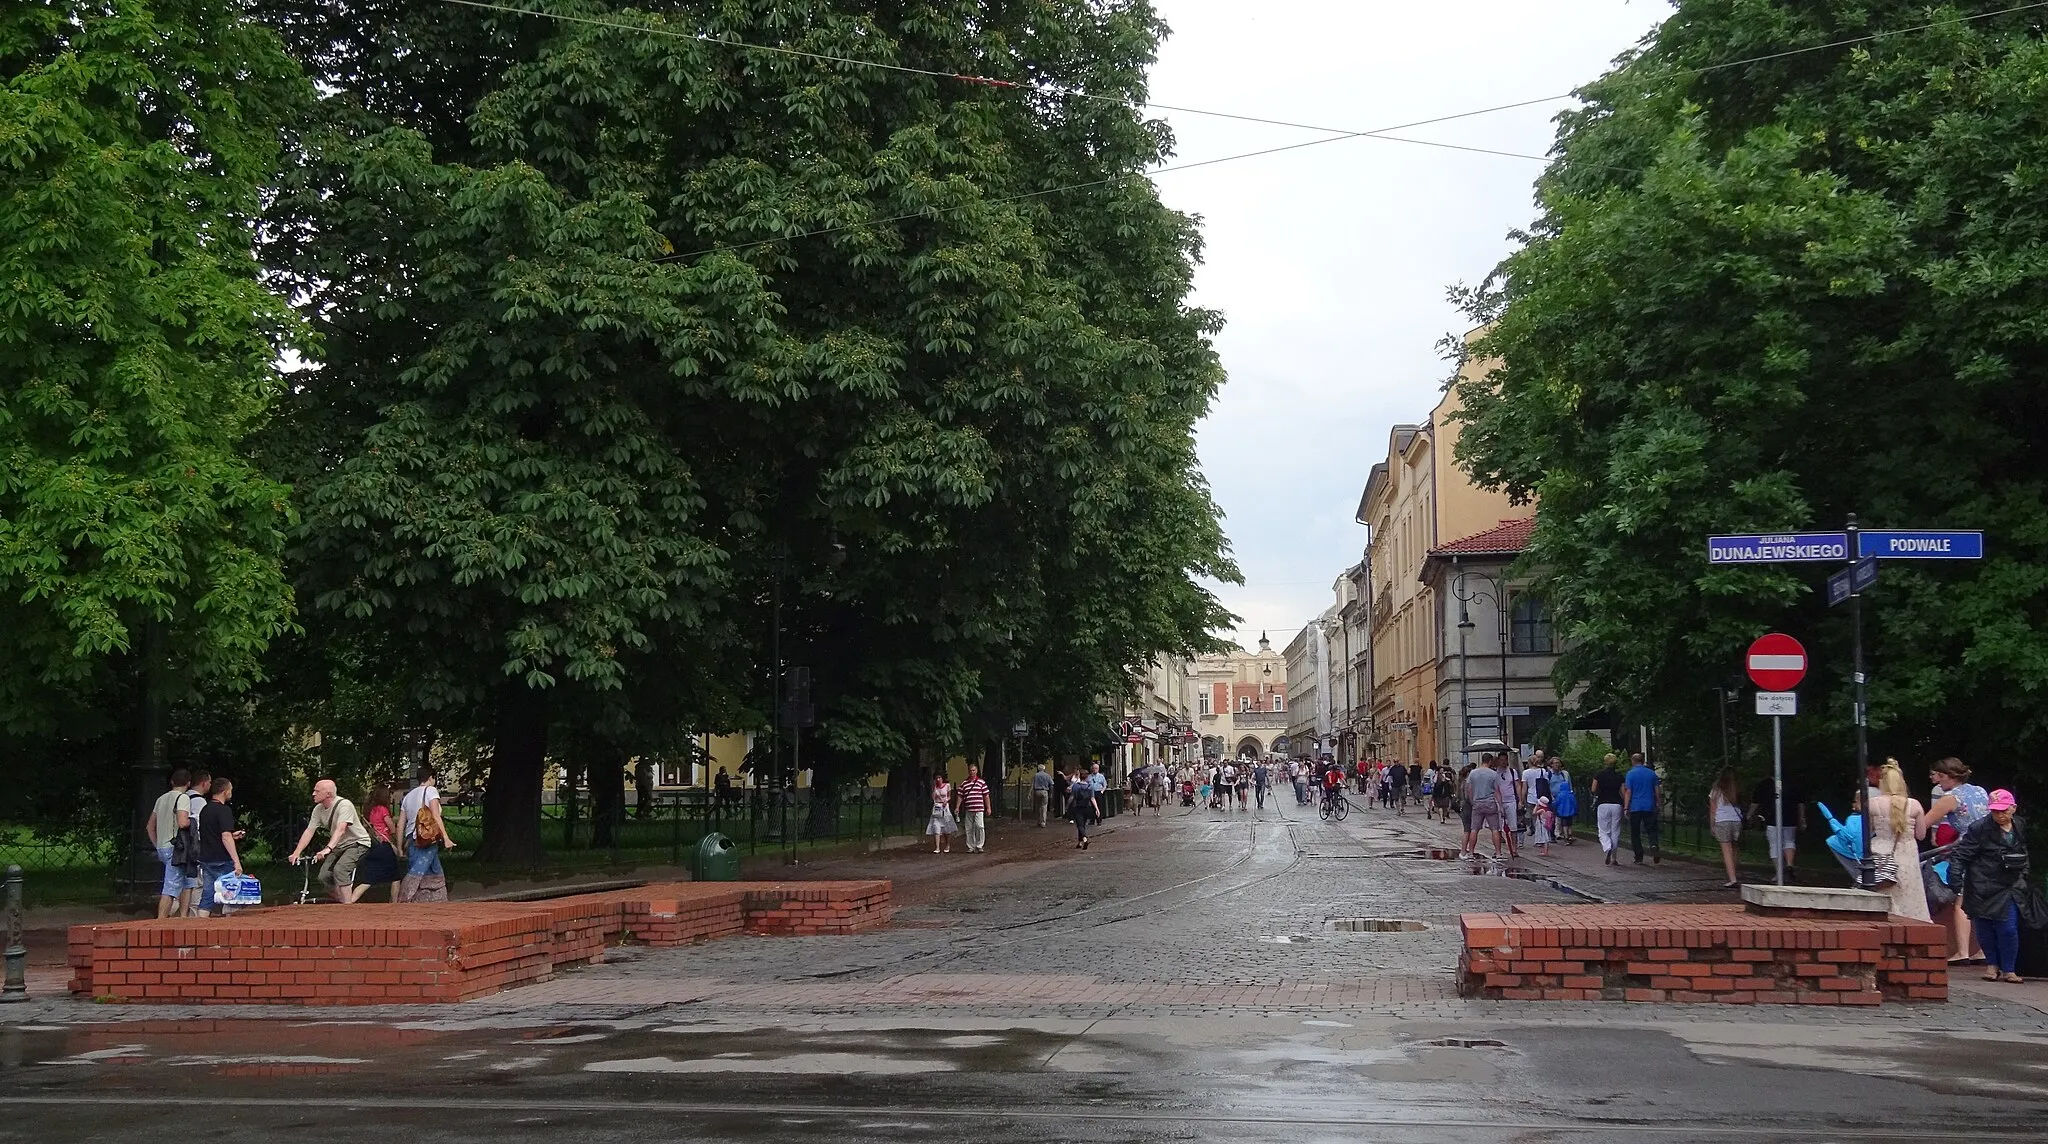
x=1487 y=746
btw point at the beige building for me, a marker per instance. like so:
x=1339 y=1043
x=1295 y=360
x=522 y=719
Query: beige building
x=1241 y=704
x=1414 y=501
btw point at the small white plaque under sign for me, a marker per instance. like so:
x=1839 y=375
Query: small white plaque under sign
x=1777 y=703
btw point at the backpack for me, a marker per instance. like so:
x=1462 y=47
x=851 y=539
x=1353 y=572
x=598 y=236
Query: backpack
x=185 y=846
x=1542 y=786
x=425 y=830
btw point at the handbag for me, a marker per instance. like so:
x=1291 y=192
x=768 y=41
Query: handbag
x=1940 y=895
x=1885 y=867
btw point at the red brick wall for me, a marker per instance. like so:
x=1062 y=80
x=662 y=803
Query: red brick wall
x=1699 y=954
x=379 y=953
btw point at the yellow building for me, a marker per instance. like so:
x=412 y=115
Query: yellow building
x=1415 y=500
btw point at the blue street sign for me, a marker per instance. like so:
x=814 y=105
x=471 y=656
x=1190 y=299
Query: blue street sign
x=1920 y=544
x=1778 y=548
x=1851 y=580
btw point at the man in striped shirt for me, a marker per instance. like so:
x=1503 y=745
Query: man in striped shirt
x=974 y=809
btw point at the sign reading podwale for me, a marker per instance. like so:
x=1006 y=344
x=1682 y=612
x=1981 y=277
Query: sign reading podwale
x=1778 y=548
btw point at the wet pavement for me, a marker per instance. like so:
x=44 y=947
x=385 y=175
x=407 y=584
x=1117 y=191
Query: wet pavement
x=1193 y=976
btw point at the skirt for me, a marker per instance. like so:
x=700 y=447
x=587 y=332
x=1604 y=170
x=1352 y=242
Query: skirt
x=942 y=822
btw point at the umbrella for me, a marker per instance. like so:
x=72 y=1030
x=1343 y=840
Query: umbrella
x=1486 y=745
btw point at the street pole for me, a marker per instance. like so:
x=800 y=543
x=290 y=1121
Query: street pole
x=1464 y=697
x=1867 y=868
x=1778 y=793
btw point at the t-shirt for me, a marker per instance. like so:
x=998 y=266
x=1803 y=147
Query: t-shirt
x=1483 y=784
x=1529 y=777
x=974 y=796
x=342 y=812
x=1607 y=787
x=165 y=815
x=1642 y=789
x=215 y=820
x=409 y=806
x=1764 y=798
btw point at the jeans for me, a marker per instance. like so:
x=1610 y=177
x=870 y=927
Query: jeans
x=1639 y=823
x=977 y=829
x=208 y=871
x=1301 y=792
x=2001 y=940
x=1609 y=816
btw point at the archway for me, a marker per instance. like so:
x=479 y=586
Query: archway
x=1281 y=745
x=1249 y=747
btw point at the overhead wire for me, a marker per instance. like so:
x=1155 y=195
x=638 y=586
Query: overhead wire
x=1333 y=134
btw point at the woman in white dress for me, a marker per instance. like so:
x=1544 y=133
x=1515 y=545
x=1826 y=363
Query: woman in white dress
x=943 y=825
x=1894 y=822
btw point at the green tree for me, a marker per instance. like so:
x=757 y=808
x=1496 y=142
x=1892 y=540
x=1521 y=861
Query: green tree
x=138 y=349
x=1762 y=296
x=596 y=403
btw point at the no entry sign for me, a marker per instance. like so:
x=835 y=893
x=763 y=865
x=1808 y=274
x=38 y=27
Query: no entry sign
x=1777 y=662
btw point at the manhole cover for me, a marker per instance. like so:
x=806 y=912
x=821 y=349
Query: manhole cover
x=1287 y=939
x=1465 y=1043
x=1374 y=925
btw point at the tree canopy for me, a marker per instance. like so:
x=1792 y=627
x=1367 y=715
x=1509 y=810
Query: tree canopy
x=1761 y=296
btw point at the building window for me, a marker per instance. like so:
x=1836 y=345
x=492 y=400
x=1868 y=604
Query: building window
x=1529 y=626
x=1244 y=704
x=1279 y=703
x=1202 y=703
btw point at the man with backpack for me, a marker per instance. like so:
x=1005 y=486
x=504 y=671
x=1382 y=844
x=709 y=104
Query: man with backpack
x=426 y=835
x=185 y=845
x=167 y=818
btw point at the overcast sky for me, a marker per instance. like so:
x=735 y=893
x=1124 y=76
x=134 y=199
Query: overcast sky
x=1330 y=263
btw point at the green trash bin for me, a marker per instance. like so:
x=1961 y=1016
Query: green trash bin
x=716 y=860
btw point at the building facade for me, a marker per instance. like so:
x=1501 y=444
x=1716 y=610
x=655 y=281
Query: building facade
x=1414 y=501
x=1499 y=647
x=1241 y=702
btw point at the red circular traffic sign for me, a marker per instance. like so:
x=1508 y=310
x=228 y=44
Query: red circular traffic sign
x=1776 y=662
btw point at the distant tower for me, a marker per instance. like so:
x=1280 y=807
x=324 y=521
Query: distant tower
x=1265 y=645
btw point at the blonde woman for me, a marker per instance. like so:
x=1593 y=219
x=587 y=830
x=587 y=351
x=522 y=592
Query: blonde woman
x=1724 y=810
x=1894 y=821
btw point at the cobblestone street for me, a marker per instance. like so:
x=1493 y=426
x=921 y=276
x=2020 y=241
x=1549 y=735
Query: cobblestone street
x=1185 y=978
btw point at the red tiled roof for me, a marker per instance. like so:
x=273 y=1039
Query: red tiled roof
x=1509 y=536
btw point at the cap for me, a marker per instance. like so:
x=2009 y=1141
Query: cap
x=2003 y=800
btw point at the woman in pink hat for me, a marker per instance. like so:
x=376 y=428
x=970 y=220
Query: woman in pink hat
x=1993 y=860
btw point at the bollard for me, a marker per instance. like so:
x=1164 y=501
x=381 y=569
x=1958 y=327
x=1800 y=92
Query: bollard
x=16 y=985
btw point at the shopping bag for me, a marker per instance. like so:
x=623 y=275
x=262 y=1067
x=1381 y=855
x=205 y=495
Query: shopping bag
x=237 y=890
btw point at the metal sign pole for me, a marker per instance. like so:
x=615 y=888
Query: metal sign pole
x=1867 y=868
x=1777 y=842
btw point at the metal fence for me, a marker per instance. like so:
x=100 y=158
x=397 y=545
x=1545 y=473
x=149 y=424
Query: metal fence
x=33 y=849
x=672 y=823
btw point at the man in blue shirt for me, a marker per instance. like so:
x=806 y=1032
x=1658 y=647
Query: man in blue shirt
x=1639 y=799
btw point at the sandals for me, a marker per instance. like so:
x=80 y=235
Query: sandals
x=2013 y=979
x=1993 y=976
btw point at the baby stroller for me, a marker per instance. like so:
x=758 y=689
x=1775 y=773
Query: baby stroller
x=1187 y=792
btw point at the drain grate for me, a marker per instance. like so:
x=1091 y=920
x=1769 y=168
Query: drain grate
x=1373 y=925
x=1465 y=1043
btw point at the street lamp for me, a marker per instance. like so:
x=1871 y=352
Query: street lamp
x=1464 y=596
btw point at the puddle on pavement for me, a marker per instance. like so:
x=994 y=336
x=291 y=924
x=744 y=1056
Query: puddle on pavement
x=798 y=1064
x=1373 y=925
x=1494 y=868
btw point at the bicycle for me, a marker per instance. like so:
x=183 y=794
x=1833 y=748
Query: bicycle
x=1334 y=805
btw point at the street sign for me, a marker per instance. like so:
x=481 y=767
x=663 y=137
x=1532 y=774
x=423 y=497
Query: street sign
x=1779 y=703
x=1778 y=548
x=1514 y=710
x=1776 y=662
x=1920 y=544
x=1852 y=580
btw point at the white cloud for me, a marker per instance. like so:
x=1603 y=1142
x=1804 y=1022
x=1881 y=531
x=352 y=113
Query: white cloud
x=1330 y=263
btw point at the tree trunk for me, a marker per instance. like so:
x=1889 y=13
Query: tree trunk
x=519 y=751
x=900 y=796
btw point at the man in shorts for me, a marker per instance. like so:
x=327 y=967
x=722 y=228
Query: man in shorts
x=347 y=840
x=1483 y=795
x=167 y=818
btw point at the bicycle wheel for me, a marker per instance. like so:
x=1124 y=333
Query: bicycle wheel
x=1326 y=810
x=1343 y=807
